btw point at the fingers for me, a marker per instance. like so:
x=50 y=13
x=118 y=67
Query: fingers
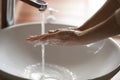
x=43 y=37
x=53 y=37
x=50 y=33
x=46 y=36
x=61 y=35
x=39 y=40
x=33 y=38
x=63 y=29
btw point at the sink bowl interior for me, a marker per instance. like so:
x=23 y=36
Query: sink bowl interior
x=16 y=53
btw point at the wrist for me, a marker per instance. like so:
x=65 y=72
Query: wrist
x=117 y=16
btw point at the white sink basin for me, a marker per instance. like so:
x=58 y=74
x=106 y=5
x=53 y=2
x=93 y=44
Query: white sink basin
x=16 y=54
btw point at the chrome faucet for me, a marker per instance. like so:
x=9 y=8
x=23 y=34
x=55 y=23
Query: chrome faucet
x=8 y=7
x=41 y=5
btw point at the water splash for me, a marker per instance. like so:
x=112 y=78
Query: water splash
x=96 y=47
x=52 y=72
x=44 y=71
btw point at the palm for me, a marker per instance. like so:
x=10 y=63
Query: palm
x=58 y=37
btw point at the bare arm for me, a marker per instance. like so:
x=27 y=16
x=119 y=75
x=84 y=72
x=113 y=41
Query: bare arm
x=105 y=29
x=102 y=25
x=106 y=11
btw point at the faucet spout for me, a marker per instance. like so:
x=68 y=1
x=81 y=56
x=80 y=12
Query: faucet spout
x=7 y=17
x=40 y=4
x=8 y=10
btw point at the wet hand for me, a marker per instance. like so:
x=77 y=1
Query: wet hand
x=65 y=36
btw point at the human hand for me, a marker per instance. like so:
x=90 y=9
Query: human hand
x=65 y=36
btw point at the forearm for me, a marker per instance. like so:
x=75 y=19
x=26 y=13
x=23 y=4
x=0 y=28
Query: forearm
x=107 y=10
x=105 y=29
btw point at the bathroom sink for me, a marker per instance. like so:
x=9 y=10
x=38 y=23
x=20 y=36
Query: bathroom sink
x=16 y=54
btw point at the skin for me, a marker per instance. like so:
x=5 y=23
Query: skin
x=102 y=25
x=102 y=14
x=105 y=29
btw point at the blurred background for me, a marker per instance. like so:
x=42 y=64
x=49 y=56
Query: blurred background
x=73 y=12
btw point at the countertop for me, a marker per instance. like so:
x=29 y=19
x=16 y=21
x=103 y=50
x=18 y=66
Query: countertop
x=117 y=76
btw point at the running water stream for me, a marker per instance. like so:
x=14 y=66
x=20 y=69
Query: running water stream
x=43 y=71
x=43 y=46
